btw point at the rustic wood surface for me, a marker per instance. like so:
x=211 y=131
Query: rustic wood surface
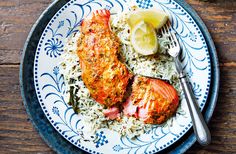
x=17 y=134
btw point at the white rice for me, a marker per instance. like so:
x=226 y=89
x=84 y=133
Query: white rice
x=160 y=65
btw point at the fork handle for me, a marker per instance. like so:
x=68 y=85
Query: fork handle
x=199 y=125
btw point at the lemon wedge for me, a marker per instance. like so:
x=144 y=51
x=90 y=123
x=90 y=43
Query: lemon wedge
x=155 y=17
x=144 y=38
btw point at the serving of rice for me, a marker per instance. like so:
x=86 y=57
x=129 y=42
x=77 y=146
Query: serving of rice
x=159 y=65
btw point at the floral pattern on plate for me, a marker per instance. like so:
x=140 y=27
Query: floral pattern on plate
x=50 y=86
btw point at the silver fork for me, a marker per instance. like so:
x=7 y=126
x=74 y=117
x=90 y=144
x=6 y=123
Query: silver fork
x=199 y=125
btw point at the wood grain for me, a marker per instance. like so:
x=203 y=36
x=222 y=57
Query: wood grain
x=16 y=131
x=17 y=134
x=220 y=18
x=16 y=20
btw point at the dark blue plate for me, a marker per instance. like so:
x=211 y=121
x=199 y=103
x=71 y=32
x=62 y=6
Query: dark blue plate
x=43 y=126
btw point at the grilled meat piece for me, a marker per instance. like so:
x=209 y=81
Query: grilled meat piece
x=152 y=100
x=102 y=72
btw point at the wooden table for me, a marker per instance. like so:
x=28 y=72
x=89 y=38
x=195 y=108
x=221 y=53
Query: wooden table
x=17 y=133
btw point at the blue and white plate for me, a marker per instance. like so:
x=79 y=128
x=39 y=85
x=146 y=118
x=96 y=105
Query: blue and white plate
x=50 y=87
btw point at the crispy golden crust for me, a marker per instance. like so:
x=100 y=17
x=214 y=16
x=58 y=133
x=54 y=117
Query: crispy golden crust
x=103 y=74
x=154 y=100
